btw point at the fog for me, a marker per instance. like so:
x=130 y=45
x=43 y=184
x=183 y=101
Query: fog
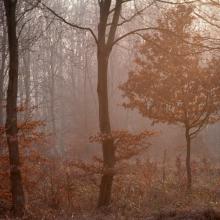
x=109 y=104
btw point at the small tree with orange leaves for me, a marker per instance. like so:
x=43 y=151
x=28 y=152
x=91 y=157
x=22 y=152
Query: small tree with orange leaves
x=170 y=83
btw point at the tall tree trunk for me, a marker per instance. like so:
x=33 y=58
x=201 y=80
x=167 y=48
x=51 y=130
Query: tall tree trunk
x=2 y=70
x=104 y=48
x=105 y=128
x=18 y=200
x=188 y=161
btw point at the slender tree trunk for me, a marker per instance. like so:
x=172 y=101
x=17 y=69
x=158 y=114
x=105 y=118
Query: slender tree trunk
x=164 y=167
x=188 y=161
x=36 y=93
x=52 y=91
x=2 y=71
x=105 y=128
x=27 y=76
x=27 y=73
x=18 y=200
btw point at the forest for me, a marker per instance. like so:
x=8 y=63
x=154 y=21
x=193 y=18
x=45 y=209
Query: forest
x=110 y=109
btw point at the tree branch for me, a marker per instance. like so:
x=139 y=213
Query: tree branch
x=71 y=24
x=202 y=124
x=133 y=32
x=177 y=3
x=114 y=24
x=206 y=20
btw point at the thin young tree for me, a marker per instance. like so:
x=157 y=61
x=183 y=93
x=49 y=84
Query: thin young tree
x=170 y=83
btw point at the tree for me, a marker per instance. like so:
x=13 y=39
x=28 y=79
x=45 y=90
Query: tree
x=104 y=48
x=171 y=84
x=18 y=199
x=110 y=19
x=3 y=62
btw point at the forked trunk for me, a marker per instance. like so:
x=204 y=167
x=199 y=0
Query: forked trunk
x=104 y=46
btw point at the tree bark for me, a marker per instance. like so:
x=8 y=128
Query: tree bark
x=18 y=200
x=105 y=128
x=2 y=70
x=104 y=48
x=188 y=161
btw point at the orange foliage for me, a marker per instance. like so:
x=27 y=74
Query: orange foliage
x=127 y=146
x=31 y=140
x=170 y=83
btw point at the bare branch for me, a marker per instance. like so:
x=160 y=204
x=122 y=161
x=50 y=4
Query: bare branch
x=33 y=6
x=176 y=3
x=71 y=24
x=137 y=13
x=206 y=20
x=132 y=33
x=202 y=124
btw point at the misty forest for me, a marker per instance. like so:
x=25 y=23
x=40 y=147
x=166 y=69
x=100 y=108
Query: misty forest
x=110 y=109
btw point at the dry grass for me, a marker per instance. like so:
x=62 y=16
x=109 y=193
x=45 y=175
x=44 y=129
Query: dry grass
x=139 y=192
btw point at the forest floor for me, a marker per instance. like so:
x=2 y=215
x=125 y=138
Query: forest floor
x=140 y=193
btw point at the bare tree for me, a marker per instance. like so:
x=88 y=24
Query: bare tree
x=18 y=199
x=110 y=18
